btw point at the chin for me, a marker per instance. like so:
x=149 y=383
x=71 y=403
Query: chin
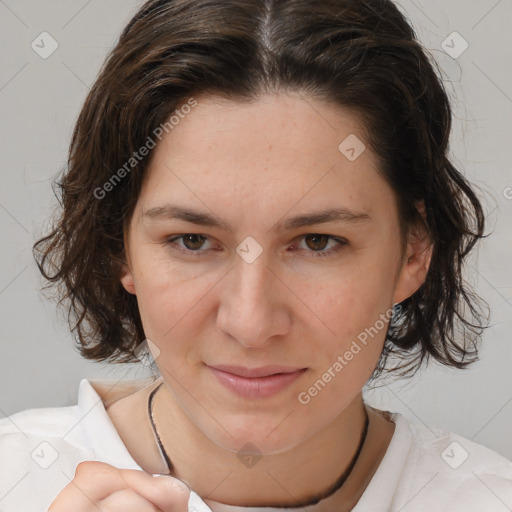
x=257 y=436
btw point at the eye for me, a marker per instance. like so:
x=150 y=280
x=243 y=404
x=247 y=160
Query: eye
x=317 y=243
x=192 y=243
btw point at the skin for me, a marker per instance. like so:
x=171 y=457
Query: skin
x=252 y=165
x=100 y=486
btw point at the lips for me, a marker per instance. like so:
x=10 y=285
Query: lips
x=263 y=371
x=255 y=383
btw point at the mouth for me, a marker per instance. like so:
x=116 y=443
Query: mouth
x=256 y=383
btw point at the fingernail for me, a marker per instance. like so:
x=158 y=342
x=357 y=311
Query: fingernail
x=175 y=482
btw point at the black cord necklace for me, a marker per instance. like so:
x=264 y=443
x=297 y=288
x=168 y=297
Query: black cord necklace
x=313 y=501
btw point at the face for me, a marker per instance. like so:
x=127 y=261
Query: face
x=250 y=288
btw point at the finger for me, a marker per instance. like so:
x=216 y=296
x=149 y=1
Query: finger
x=71 y=494
x=95 y=480
x=166 y=492
x=126 y=500
x=92 y=482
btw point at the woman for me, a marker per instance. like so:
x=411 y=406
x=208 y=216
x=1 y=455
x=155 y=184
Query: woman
x=260 y=193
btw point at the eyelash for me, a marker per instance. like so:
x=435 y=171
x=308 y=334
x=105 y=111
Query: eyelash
x=170 y=242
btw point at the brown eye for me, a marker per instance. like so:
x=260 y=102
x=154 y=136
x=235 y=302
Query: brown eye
x=317 y=242
x=189 y=243
x=193 y=242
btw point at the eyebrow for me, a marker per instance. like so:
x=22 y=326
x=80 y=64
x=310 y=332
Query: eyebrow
x=172 y=211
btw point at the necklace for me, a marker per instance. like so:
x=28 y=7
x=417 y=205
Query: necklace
x=313 y=501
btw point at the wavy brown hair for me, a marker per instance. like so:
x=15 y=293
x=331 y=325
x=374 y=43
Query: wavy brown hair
x=361 y=55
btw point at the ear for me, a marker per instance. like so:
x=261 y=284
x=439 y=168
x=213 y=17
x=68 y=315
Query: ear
x=127 y=279
x=416 y=261
x=126 y=276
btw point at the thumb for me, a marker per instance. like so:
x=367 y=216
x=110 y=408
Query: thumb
x=165 y=492
x=172 y=494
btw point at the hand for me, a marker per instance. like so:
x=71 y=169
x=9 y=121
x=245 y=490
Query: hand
x=98 y=486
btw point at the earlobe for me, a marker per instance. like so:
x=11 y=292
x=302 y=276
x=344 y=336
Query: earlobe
x=127 y=279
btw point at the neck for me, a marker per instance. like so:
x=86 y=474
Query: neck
x=286 y=479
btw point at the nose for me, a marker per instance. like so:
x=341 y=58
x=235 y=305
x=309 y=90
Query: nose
x=254 y=304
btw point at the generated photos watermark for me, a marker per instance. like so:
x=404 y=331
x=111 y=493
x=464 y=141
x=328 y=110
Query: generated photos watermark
x=343 y=360
x=137 y=156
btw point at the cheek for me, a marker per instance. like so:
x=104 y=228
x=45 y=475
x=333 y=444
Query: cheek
x=171 y=298
x=343 y=362
x=163 y=295
x=355 y=305
x=354 y=297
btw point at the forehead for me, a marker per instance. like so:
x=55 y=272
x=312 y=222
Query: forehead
x=282 y=149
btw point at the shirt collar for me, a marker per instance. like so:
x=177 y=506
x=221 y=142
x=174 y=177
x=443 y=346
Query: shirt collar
x=101 y=435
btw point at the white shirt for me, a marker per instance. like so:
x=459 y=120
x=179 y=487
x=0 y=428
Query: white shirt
x=423 y=469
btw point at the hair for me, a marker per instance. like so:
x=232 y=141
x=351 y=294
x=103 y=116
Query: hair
x=360 y=55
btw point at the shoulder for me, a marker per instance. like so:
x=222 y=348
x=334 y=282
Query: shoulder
x=35 y=421
x=57 y=425
x=457 y=452
x=456 y=473
x=39 y=452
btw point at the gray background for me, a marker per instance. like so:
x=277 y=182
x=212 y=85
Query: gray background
x=40 y=100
